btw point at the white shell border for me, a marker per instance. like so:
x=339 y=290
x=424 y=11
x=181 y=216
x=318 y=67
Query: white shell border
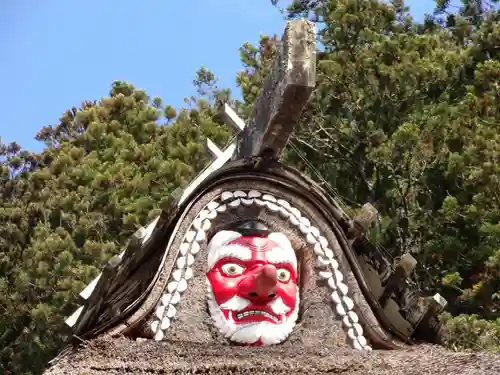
x=327 y=264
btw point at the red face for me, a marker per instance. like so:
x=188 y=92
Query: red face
x=253 y=279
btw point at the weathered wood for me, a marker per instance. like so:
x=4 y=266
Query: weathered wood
x=230 y=118
x=404 y=268
x=362 y=222
x=212 y=149
x=278 y=108
x=434 y=306
x=95 y=301
x=216 y=164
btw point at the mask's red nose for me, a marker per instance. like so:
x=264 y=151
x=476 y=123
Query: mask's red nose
x=261 y=285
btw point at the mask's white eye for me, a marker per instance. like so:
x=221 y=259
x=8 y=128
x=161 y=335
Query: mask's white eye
x=232 y=269
x=283 y=275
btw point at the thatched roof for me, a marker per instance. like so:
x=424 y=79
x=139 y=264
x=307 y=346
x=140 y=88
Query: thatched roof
x=124 y=356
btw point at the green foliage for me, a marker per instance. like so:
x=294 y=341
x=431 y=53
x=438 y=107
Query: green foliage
x=404 y=115
x=107 y=168
x=471 y=332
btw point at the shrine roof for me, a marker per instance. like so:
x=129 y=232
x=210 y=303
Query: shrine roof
x=122 y=355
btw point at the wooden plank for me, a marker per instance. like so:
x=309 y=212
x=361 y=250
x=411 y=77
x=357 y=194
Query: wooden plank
x=286 y=90
x=404 y=268
x=91 y=310
x=212 y=149
x=230 y=118
x=216 y=164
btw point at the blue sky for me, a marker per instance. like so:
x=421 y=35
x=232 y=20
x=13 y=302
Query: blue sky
x=55 y=53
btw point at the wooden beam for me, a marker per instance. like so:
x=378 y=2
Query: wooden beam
x=286 y=90
x=362 y=222
x=404 y=268
x=230 y=118
x=216 y=164
x=212 y=149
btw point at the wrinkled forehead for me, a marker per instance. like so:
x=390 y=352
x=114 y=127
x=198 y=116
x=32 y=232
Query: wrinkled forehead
x=274 y=248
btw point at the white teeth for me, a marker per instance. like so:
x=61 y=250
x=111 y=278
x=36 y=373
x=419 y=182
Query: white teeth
x=246 y=202
x=235 y=203
x=212 y=214
x=239 y=194
x=256 y=312
x=189 y=260
x=177 y=274
x=254 y=194
x=294 y=221
x=269 y=198
x=225 y=196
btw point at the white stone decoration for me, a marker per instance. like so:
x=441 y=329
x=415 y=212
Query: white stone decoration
x=327 y=264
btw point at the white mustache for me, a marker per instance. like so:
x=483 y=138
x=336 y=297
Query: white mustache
x=238 y=303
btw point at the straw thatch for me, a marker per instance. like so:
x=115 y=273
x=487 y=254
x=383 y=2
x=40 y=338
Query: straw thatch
x=124 y=356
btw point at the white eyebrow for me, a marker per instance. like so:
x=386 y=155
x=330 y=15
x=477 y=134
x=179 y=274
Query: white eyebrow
x=284 y=253
x=279 y=255
x=233 y=251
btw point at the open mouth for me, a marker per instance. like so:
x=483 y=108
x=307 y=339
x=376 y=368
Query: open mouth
x=257 y=315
